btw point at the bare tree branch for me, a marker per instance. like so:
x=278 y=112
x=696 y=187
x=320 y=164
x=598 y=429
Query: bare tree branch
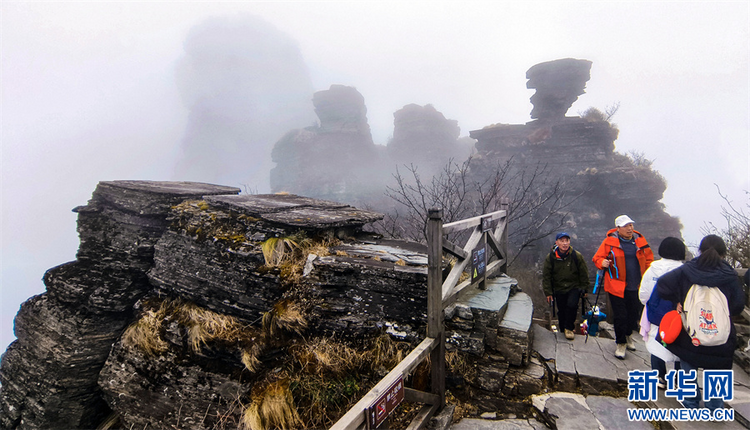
x=736 y=233
x=537 y=202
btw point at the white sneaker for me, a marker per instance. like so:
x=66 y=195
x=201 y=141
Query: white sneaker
x=661 y=384
x=620 y=351
x=630 y=343
x=569 y=334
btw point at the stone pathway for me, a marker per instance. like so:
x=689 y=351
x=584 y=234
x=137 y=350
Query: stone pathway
x=592 y=389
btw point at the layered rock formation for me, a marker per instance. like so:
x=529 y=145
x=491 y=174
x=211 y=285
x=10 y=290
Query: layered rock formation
x=181 y=308
x=422 y=136
x=493 y=329
x=558 y=84
x=50 y=374
x=338 y=160
x=244 y=83
x=599 y=182
x=165 y=259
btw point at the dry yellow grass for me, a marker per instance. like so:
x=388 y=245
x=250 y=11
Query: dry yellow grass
x=457 y=363
x=204 y=326
x=272 y=407
x=286 y=316
x=145 y=333
x=326 y=356
x=201 y=325
x=278 y=249
x=321 y=248
x=251 y=356
x=385 y=352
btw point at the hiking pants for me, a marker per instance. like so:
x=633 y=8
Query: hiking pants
x=694 y=402
x=626 y=312
x=661 y=366
x=567 y=308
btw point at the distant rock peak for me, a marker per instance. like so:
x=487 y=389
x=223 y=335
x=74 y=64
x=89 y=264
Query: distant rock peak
x=558 y=84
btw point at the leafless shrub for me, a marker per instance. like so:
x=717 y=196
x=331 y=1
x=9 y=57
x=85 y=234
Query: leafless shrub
x=736 y=232
x=638 y=158
x=537 y=201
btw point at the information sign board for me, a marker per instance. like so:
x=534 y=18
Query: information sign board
x=379 y=410
x=478 y=262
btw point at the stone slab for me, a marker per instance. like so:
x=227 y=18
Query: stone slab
x=569 y=414
x=564 y=358
x=519 y=313
x=583 y=345
x=612 y=413
x=631 y=361
x=595 y=373
x=389 y=253
x=176 y=188
x=493 y=298
x=742 y=413
x=323 y=218
x=296 y=211
x=567 y=376
x=443 y=419
x=544 y=342
x=484 y=424
x=153 y=197
x=740 y=377
x=256 y=204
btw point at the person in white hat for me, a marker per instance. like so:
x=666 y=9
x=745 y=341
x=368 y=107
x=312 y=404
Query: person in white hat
x=624 y=255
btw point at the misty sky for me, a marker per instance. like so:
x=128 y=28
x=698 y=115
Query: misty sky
x=89 y=93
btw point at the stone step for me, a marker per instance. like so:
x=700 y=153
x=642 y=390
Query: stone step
x=515 y=333
x=472 y=322
x=590 y=366
x=588 y=363
x=574 y=411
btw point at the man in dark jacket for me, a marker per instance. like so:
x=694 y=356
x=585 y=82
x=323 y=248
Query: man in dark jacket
x=711 y=270
x=565 y=277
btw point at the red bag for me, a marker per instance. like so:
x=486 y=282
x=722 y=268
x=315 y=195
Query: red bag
x=670 y=326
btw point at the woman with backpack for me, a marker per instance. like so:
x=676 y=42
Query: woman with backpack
x=672 y=252
x=707 y=270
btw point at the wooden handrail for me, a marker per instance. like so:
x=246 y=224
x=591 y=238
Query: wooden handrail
x=456 y=271
x=356 y=415
x=439 y=295
x=472 y=222
x=450 y=296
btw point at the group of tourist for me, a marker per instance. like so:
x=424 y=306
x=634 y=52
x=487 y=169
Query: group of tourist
x=642 y=291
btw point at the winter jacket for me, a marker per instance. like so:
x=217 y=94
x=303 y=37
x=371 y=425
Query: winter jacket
x=656 y=307
x=614 y=278
x=569 y=272
x=675 y=285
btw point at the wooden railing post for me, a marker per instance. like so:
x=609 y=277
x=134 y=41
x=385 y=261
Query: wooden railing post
x=505 y=205
x=435 y=315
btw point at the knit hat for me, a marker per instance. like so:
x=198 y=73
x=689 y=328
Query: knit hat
x=672 y=248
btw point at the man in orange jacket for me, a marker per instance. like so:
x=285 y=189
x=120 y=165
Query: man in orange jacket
x=624 y=255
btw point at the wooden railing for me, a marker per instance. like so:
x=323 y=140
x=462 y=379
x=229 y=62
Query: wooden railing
x=439 y=295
